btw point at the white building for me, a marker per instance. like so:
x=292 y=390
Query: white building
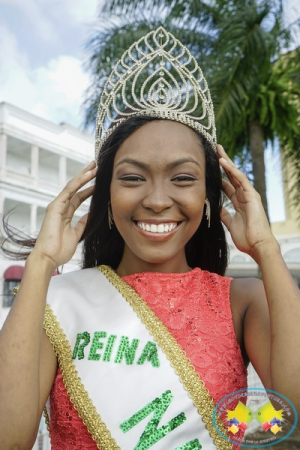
x=37 y=158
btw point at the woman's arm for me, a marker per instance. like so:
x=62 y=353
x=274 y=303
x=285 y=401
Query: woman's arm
x=23 y=382
x=27 y=360
x=271 y=324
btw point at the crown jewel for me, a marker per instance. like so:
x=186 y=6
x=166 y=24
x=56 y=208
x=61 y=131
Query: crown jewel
x=172 y=87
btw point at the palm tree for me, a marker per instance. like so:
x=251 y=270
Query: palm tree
x=254 y=88
x=238 y=44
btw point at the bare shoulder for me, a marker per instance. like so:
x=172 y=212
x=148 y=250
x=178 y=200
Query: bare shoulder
x=250 y=307
x=245 y=291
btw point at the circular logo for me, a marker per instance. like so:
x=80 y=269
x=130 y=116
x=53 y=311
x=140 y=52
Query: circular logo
x=255 y=417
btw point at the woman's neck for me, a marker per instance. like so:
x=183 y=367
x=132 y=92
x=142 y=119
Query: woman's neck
x=129 y=267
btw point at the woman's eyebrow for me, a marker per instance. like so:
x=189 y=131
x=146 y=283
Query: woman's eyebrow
x=171 y=165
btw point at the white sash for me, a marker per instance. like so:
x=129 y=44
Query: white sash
x=127 y=393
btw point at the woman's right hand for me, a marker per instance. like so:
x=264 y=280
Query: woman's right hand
x=57 y=240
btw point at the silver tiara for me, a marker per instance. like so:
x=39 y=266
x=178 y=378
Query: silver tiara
x=172 y=87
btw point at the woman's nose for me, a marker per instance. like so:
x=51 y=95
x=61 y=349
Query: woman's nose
x=157 y=198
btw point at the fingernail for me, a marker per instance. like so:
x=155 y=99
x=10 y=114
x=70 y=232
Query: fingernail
x=223 y=160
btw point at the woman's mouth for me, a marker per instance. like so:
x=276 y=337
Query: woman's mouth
x=156 y=229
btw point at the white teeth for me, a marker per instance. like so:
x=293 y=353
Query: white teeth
x=161 y=228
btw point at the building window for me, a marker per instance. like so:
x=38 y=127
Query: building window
x=8 y=292
x=292 y=256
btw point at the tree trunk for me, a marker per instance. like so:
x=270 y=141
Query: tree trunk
x=257 y=153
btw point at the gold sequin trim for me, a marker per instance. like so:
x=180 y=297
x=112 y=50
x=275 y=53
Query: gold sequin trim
x=47 y=420
x=15 y=290
x=75 y=389
x=176 y=356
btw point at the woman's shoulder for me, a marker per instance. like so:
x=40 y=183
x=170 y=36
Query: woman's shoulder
x=250 y=313
x=246 y=295
x=246 y=290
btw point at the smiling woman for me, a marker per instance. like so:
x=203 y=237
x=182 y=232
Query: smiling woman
x=155 y=195
x=162 y=172
x=135 y=350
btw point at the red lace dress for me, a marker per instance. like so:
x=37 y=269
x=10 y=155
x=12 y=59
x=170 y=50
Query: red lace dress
x=195 y=307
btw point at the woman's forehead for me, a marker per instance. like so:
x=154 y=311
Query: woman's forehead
x=163 y=140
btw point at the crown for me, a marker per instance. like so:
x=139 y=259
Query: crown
x=158 y=77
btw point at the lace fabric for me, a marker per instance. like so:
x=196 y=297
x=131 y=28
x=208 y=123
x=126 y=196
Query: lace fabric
x=195 y=307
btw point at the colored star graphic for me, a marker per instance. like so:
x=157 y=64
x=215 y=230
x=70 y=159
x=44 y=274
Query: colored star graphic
x=275 y=429
x=266 y=426
x=234 y=429
x=235 y=421
x=242 y=413
x=274 y=421
x=267 y=413
x=243 y=426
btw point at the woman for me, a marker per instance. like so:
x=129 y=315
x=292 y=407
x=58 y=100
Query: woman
x=161 y=182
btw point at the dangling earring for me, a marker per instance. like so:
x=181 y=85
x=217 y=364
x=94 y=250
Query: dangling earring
x=207 y=211
x=110 y=216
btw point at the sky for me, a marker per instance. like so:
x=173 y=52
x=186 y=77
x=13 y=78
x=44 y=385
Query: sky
x=42 y=65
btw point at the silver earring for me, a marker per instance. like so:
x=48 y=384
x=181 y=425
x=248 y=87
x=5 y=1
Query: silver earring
x=207 y=211
x=110 y=216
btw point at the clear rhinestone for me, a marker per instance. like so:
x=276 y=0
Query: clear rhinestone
x=156 y=104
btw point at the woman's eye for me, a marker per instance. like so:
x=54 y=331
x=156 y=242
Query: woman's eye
x=184 y=178
x=131 y=178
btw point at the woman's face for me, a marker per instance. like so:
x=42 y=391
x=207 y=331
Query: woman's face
x=157 y=196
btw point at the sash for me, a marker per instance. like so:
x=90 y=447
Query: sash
x=126 y=375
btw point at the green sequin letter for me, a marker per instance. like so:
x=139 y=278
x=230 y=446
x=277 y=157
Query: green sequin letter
x=96 y=345
x=152 y=434
x=150 y=354
x=109 y=347
x=79 y=347
x=126 y=350
x=192 y=445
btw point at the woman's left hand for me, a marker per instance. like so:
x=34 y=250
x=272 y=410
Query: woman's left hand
x=249 y=227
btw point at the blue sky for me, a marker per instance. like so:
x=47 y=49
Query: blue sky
x=42 y=58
